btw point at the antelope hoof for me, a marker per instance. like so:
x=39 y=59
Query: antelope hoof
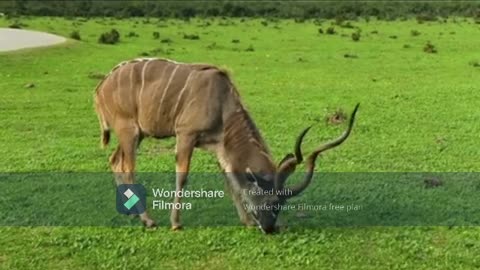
x=177 y=227
x=248 y=222
x=149 y=223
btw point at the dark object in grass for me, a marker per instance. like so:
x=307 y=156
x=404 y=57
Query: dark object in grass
x=429 y=48
x=166 y=40
x=348 y=25
x=212 y=46
x=29 y=85
x=317 y=22
x=393 y=37
x=250 y=49
x=191 y=37
x=426 y=18
x=406 y=46
x=338 y=117
x=17 y=25
x=235 y=41
x=414 y=33
x=111 y=37
x=475 y=63
x=156 y=35
x=356 y=36
x=331 y=30
x=132 y=34
x=96 y=75
x=374 y=32
x=320 y=30
x=158 y=51
x=432 y=182
x=264 y=23
x=347 y=55
x=75 y=35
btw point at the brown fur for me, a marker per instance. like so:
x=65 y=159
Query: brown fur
x=196 y=103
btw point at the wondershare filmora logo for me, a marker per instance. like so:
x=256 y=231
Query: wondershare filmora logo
x=131 y=199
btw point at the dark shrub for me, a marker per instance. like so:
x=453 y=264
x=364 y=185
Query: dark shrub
x=158 y=51
x=426 y=18
x=132 y=34
x=191 y=37
x=317 y=22
x=264 y=23
x=356 y=36
x=212 y=12
x=156 y=35
x=347 y=55
x=429 y=48
x=415 y=33
x=75 y=35
x=188 y=12
x=393 y=37
x=166 y=40
x=331 y=30
x=131 y=11
x=475 y=63
x=347 y=25
x=235 y=41
x=111 y=37
x=320 y=30
x=212 y=46
x=205 y=24
x=16 y=25
x=250 y=49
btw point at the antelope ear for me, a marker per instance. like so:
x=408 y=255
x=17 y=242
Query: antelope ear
x=287 y=157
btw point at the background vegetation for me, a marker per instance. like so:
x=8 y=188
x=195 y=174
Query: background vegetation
x=285 y=9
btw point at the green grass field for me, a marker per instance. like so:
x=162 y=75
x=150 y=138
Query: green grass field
x=418 y=114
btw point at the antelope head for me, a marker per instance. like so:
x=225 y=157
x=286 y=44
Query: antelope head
x=266 y=194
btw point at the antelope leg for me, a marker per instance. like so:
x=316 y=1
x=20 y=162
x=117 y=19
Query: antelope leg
x=184 y=149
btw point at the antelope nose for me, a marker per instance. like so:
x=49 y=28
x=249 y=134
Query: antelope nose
x=269 y=229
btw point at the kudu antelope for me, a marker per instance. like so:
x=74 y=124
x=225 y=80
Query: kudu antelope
x=200 y=106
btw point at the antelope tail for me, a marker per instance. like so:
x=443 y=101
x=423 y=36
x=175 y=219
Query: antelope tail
x=105 y=137
x=104 y=128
